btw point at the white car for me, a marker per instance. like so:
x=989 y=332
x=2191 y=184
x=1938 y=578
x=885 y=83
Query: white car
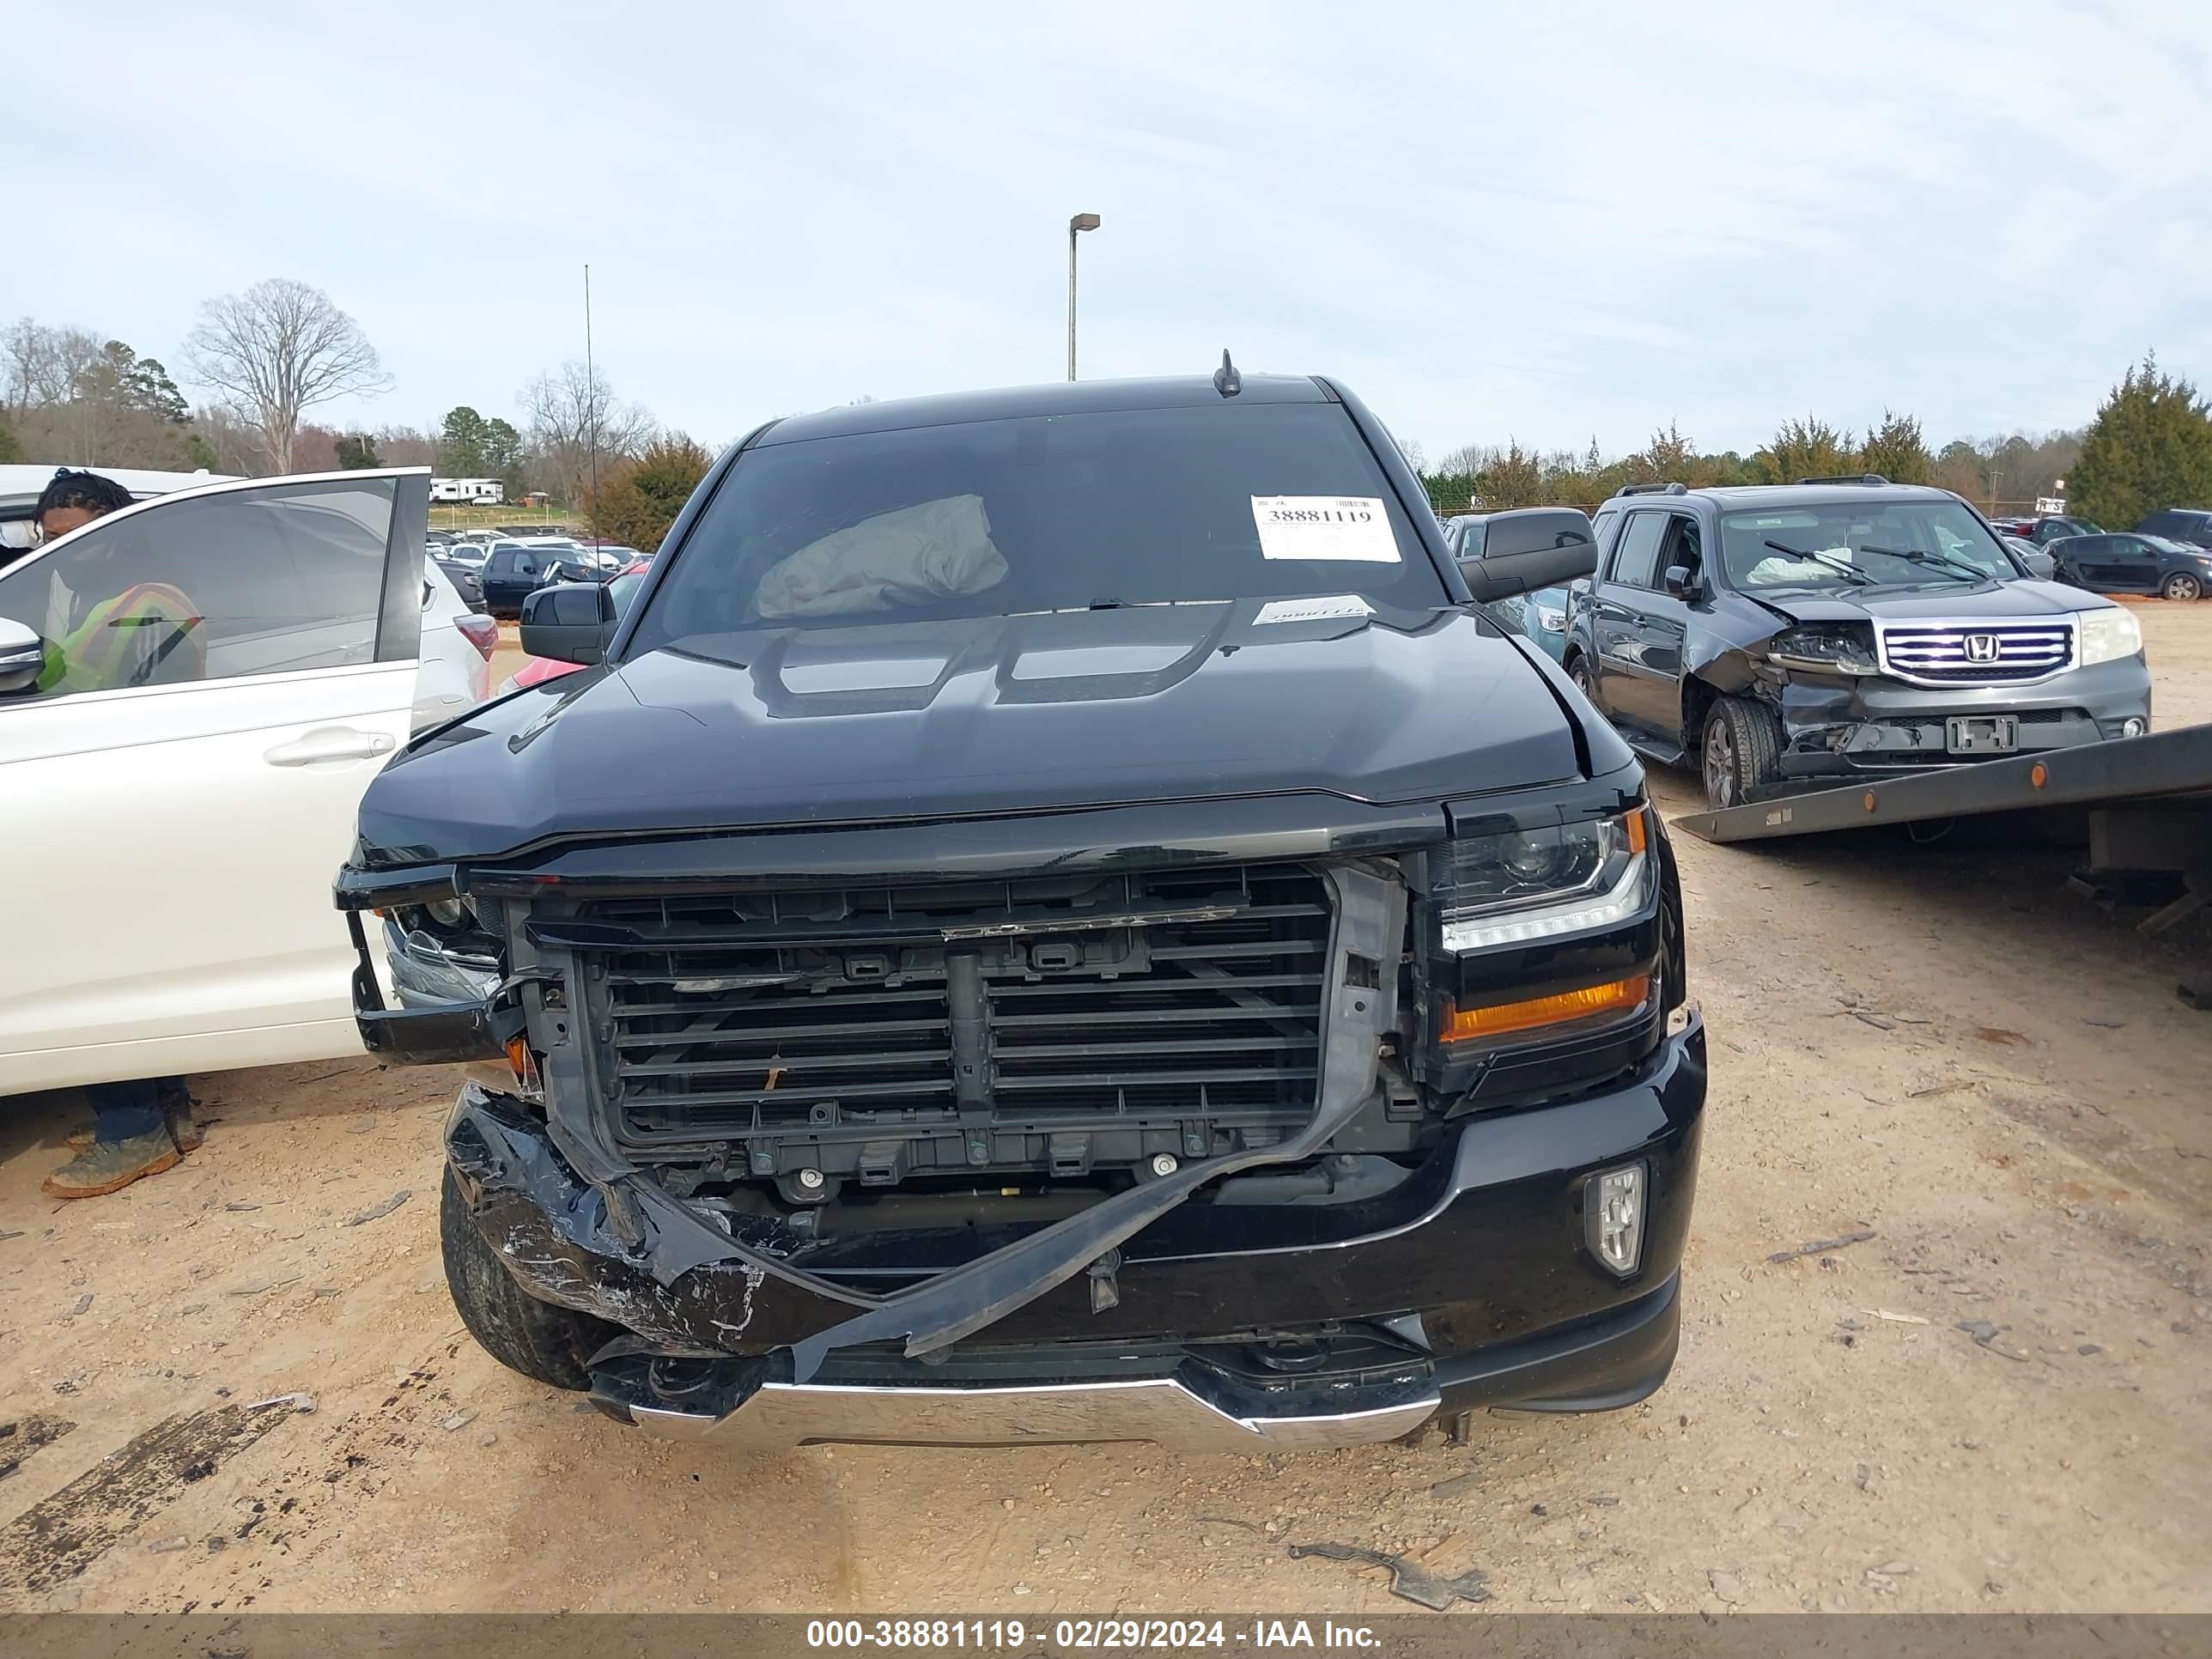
x=455 y=674
x=21 y=485
x=182 y=770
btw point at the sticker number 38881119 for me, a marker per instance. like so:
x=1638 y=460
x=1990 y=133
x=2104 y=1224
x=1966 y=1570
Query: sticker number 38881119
x=1354 y=527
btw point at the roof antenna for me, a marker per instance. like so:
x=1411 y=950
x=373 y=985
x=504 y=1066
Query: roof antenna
x=1226 y=380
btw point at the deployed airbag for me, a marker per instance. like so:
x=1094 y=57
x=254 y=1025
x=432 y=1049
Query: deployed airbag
x=912 y=556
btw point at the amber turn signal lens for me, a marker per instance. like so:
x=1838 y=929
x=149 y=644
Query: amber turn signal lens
x=523 y=1062
x=1618 y=997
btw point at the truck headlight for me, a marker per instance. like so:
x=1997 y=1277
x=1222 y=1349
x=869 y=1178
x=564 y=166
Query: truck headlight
x=2108 y=634
x=1550 y=620
x=1531 y=885
x=450 y=913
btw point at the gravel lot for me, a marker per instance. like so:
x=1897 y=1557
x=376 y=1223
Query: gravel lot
x=1937 y=1044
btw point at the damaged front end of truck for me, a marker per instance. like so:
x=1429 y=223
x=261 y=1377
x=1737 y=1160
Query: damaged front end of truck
x=1212 y=1143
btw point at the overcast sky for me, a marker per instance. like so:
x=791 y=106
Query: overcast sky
x=1491 y=224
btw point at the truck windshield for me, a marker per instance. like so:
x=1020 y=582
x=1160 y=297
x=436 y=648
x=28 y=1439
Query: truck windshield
x=1049 y=513
x=1851 y=545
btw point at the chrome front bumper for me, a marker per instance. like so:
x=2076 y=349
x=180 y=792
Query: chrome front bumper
x=1161 y=1410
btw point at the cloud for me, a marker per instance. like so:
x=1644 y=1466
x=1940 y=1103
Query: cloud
x=1588 y=220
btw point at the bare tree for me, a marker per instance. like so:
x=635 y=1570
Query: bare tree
x=407 y=446
x=276 y=350
x=574 y=414
x=46 y=366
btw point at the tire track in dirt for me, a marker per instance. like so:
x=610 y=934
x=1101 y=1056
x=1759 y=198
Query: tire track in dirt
x=290 y=1515
x=62 y=1535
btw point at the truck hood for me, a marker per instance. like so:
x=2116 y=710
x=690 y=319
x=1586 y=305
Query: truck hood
x=1939 y=600
x=931 y=720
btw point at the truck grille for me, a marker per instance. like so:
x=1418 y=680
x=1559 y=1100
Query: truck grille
x=1976 y=653
x=855 y=1012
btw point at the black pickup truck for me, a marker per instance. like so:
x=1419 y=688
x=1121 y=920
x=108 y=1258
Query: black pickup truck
x=1051 y=916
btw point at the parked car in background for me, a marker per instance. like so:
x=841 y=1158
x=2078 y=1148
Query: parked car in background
x=1477 y=539
x=615 y=560
x=2193 y=524
x=1781 y=635
x=466 y=574
x=2045 y=531
x=2126 y=562
x=184 y=785
x=455 y=671
x=512 y=571
x=537 y=670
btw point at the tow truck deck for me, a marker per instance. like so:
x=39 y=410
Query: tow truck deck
x=2145 y=803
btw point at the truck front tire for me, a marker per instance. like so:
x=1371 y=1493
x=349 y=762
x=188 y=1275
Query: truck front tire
x=1741 y=750
x=545 y=1343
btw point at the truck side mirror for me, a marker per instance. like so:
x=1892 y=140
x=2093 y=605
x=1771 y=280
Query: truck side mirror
x=22 y=656
x=569 y=622
x=1501 y=575
x=1681 y=581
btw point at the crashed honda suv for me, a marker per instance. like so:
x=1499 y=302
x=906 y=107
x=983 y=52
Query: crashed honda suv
x=1050 y=917
x=1782 y=636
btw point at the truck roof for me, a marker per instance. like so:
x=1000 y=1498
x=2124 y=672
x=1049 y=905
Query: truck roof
x=1059 y=398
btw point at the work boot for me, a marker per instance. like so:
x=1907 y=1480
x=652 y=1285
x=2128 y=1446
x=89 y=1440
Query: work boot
x=176 y=1112
x=109 y=1166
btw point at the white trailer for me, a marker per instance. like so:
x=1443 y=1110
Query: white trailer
x=469 y=492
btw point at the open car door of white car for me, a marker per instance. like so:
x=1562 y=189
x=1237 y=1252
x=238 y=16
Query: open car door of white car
x=202 y=686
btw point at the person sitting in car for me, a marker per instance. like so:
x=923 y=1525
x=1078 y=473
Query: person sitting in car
x=135 y=631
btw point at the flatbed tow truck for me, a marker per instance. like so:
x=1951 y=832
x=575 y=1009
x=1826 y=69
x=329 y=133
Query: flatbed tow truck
x=2144 y=805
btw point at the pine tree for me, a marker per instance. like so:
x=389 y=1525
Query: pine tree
x=1897 y=451
x=2150 y=447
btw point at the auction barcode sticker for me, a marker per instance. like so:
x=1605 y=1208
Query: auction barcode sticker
x=1324 y=610
x=1351 y=527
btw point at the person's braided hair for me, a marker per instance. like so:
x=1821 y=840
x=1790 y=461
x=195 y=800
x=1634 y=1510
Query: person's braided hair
x=87 y=491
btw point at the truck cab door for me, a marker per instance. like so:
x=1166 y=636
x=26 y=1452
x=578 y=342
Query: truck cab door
x=1650 y=686
x=1621 y=605
x=226 y=669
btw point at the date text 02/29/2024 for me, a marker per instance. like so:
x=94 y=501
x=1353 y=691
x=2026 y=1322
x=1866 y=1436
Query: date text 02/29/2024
x=1014 y=1636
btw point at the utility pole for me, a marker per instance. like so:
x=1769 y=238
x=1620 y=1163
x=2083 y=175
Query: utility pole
x=591 y=404
x=1081 y=221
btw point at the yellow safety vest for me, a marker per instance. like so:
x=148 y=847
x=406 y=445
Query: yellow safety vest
x=147 y=635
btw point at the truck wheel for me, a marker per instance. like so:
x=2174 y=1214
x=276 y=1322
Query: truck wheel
x=2183 y=585
x=1578 y=671
x=1742 y=750
x=545 y=1343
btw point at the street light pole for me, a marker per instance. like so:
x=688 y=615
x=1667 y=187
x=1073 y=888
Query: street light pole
x=1081 y=221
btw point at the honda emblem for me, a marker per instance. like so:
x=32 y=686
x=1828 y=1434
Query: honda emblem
x=1981 y=647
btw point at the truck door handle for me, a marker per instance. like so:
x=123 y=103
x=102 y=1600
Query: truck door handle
x=332 y=743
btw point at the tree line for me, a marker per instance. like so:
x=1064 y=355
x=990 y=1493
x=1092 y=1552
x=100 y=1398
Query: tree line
x=268 y=358
x=2149 y=446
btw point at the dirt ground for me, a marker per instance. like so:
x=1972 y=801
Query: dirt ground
x=1938 y=1043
